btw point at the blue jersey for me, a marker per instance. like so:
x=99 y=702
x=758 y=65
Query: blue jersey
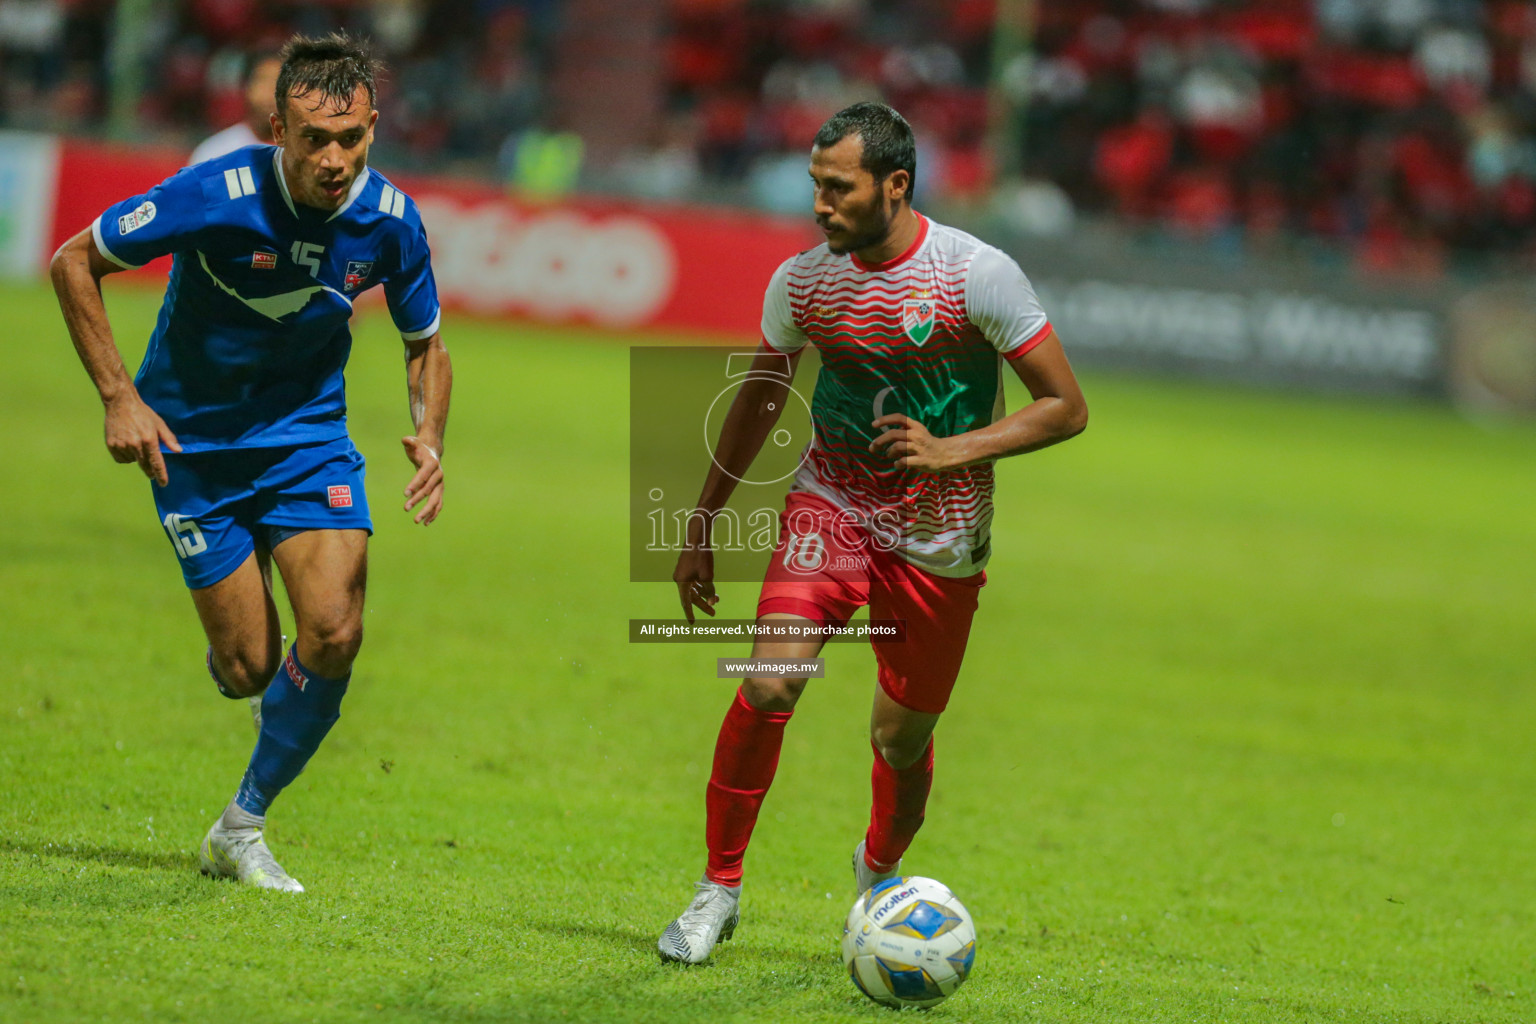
x=252 y=339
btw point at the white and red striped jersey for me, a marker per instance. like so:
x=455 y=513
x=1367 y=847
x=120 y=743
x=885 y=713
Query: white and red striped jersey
x=924 y=334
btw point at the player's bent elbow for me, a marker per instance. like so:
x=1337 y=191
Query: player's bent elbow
x=58 y=267
x=75 y=252
x=1077 y=419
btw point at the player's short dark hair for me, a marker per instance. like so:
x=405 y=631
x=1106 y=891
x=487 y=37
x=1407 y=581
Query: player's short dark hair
x=332 y=66
x=888 y=142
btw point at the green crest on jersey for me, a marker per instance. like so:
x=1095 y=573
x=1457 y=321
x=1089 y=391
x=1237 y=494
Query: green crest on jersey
x=917 y=319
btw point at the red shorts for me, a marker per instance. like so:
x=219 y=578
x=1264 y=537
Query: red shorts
x=826 y=567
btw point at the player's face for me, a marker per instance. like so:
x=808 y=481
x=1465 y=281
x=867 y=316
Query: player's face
x=853 y=209
x=325 y=146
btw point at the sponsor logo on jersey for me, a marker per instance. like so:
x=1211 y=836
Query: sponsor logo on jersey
x=917 y=319
x=827 y=311
x=339 y=495
x=357 y=273
x=263 y=260
x=135 y=219
x=291 y=664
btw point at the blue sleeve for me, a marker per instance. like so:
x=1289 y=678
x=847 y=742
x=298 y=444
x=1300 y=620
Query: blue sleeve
x=164 y=220
x=411 y=290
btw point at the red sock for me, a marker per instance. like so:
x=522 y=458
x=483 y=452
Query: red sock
x=900 y=796
x=746 y=756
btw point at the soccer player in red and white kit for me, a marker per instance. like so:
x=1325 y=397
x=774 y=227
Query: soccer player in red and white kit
x=892 y=505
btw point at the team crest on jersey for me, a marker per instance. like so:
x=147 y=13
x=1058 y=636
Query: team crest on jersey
x=137 y=218
x=917 y=319
x=357 y=273
x=263 y=260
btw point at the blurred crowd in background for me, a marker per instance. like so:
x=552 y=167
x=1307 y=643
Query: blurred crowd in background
x=1396 y=132
x=464 y=74
x=1402 y=128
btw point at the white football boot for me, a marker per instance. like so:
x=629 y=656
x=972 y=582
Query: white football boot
x=711 y=917
x=866 y=877
x=242 y=853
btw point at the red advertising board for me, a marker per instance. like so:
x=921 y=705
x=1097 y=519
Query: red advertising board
x=611 y=263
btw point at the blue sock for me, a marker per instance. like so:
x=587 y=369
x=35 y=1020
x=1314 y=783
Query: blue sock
x=297 y=711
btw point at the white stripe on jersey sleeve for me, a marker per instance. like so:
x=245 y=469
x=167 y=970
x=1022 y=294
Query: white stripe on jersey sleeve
x=232 y=183
x=101 y=246
x=399 y=205
x=386 y=199
x=425 y=332
x=247 y=184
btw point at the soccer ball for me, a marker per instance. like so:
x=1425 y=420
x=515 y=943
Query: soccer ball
x=908 y=942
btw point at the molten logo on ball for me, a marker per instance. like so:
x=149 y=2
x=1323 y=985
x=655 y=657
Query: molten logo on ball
x=909 y=942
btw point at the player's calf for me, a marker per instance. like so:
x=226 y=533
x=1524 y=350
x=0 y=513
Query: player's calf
x=900 y=799
x=298 y=711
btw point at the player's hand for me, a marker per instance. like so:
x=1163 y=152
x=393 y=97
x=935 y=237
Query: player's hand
x=695 y=575
x=908 y=445
x=426 y=487
x=134 y=433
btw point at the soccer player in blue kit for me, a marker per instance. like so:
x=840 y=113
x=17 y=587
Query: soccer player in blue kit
x=238 y=413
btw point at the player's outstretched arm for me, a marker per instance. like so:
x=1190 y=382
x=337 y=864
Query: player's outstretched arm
x=1057 y=413
x=134 y=432
x=429 y=382
x=754 y=411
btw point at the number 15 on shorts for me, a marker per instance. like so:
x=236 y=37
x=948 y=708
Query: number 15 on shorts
x=185 y=535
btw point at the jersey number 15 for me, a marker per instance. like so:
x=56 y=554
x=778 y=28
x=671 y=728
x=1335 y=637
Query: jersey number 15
x=306 y=255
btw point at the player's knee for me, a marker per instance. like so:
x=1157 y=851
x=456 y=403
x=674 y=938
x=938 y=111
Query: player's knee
x=333 y=645
x=899 y=751
x=245 y=673
x=772 y=694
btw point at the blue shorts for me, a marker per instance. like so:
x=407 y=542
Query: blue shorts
x=217 y=506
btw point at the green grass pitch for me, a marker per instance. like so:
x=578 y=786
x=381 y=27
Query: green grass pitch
x=1244 y=733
